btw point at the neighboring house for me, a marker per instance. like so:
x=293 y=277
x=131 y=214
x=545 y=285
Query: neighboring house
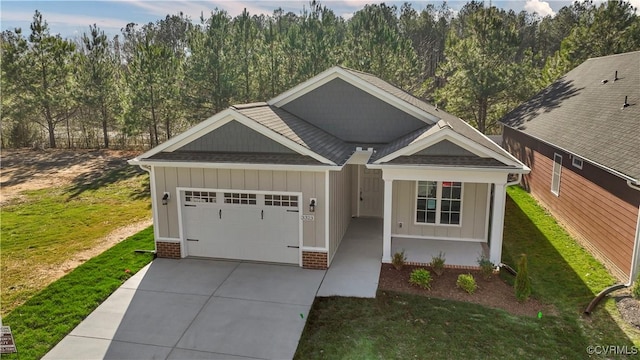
x=280 y=181
x=581 y=138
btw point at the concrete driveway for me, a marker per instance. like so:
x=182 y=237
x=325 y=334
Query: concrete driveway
x=198 y=309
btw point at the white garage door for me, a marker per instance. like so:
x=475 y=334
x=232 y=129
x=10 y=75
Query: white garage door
x=245 y=226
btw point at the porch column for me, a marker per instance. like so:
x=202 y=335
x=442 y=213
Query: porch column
x=497 y=223
x=386 y=229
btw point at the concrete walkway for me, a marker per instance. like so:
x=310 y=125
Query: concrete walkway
x=198 y=309
x=355 y=269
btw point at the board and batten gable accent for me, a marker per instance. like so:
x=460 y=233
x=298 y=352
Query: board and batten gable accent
x=352 y=114
x=474 y=214
x=339 y=206
x=310 y=184
x=596 y=207
x=235 y=137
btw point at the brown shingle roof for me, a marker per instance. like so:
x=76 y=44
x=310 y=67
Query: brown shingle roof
x=584 y=115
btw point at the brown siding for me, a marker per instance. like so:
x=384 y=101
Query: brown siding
x=592 y=204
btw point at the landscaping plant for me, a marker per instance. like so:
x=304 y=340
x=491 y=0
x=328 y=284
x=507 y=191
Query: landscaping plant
x=467 y=283
x=398 y=259
x=486 y=267
x=523 y=282
x=437 y=263
x=421 y=277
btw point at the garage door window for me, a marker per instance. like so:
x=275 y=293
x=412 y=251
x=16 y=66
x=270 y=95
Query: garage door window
x=281 y=200
x=238 y=198
x=200 y=197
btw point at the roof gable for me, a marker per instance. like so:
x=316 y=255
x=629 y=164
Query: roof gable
x=234 y=137
x=583 y=113
x=442 y=141
x=352 y=114
x=221 y=119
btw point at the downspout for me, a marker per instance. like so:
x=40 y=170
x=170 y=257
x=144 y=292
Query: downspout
x=514 y=182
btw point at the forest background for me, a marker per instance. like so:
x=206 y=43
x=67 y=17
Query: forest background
x=153 y=81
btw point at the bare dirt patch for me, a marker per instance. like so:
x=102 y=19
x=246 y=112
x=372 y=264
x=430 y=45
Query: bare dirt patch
x=494 y=293
x=53 y=273
x=26 y=169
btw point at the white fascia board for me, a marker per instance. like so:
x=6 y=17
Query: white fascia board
x=238 y=166
x=337 y=72
x=359 y=157
x=469 y=175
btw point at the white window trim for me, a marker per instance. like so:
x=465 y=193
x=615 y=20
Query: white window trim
x=438 y=205
x=577 y=162
x=557 y=164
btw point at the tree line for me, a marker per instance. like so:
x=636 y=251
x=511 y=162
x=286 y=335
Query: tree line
x=153 y=81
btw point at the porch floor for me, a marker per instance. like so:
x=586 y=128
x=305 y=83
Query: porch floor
x=355 y=268
x=457 y=253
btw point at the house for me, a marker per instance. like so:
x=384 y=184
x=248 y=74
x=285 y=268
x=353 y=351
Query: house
x=280 y=181
x=581 y=138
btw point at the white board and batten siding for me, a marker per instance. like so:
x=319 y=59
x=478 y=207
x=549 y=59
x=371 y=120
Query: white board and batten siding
x=473 y=221
x=310 y=184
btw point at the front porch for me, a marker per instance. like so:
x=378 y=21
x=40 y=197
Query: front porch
x=458 y=254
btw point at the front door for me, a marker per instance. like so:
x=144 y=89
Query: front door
x=371 y=192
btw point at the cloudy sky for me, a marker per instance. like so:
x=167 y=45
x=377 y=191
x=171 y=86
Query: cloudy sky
x=70 y=18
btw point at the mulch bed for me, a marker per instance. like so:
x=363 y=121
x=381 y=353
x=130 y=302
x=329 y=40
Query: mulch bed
x=629 y=309
x=494 y=293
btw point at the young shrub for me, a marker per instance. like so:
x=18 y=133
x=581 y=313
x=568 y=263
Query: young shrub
x=486 y=267
x=467 y=283
x=437 y=263
x=523 y=282
x=398 y=259
x=421 y=277
x=635 y=290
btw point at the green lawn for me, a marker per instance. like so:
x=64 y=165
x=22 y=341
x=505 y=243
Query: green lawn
x=405 y=326
x=42 y=321
x=42 y=229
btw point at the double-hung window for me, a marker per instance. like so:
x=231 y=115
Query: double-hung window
x=439 y=202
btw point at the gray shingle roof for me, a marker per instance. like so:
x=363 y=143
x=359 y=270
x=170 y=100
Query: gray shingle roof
x=584 y=115
x=455 y=161
x=245 y=158
x=298 y=130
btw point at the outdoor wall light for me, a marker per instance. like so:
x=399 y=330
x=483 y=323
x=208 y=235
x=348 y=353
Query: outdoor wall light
x=165 y=198
x=312 y=205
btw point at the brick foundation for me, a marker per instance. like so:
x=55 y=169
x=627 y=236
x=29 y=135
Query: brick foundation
x=170 y=250
x=314 y=260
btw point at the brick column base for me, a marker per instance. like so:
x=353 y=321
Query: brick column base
x=314 y=260
x=170 y=250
